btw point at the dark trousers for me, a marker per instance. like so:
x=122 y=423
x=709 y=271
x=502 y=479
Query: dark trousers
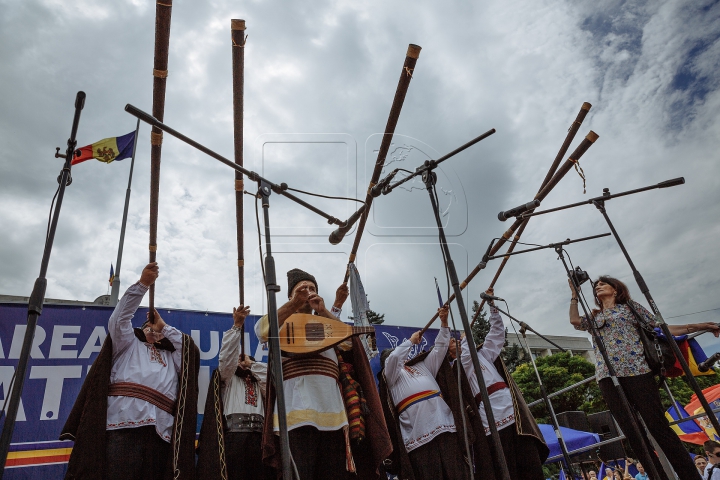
x=439 y=459
x=136 y=454
x=644 y=397
x=243 y=455
x=319 y=455
x=521 y=455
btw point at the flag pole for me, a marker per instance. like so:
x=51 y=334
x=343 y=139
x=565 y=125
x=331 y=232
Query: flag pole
x=116 y=280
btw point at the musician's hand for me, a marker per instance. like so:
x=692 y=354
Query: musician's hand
x=317 y=303
x=149 y=274
x=239 y=315
x=301 y=293
x=443 y=314
x=158 y=324
x=341 y=294
x=491 y=291
x=245 y=363
x=416 y=337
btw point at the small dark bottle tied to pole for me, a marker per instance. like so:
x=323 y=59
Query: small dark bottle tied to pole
x=37 y=297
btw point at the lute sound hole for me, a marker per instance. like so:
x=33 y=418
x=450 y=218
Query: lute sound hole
x=314 y=332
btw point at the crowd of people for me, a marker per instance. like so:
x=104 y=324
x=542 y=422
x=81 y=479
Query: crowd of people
x=135 y=417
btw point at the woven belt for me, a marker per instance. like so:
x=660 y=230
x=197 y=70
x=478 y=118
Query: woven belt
x=244 y=422
x=491 y=389
x=135 y=390
x=315 y=365
x=416 y=398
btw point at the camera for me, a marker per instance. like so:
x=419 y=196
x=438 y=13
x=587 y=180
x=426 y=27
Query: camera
x=579 y=276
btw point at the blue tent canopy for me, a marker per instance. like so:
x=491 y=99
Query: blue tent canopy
x=574 y=439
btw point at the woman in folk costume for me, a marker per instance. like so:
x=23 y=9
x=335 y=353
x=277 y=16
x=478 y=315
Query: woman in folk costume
x=335 y=425
x=136 y=414
x=522 y=442
x=230 y=443
x=426 y=422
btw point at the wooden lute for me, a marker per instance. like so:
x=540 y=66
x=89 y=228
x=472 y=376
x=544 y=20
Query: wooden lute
x=303 y=333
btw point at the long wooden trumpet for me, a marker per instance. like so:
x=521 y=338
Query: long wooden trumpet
x=163 y=11
x=413 y=52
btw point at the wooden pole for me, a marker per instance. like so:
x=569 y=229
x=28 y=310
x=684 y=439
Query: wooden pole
x=413 y=52
x=237 y=29
x=163 y=11
x=544 y=191
x=572 y=131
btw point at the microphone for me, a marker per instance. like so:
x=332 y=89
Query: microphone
x=487 y=297
x=514 y=212
x=705 y=366
x=378 y=189
x=337 y=235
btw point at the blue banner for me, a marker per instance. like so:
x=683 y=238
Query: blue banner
x=67 y=341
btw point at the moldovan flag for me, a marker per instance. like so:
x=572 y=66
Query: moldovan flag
x=693 y=354
x=107 y=150
x=112 y=274
x=712 y=394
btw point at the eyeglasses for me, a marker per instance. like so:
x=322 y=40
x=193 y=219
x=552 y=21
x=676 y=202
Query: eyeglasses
x=716 y=454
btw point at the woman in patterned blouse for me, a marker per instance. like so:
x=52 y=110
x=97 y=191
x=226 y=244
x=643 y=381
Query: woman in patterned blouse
x=617 y=327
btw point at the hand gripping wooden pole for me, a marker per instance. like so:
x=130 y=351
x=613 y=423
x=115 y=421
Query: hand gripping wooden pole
x=413 y=52
x=544 y=191
x=163 y=11
x=237 y=30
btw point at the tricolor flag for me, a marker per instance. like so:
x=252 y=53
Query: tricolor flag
x=112 y=274
x=107 y=150
x=689 y=430
x=712 y=394
x=693 y=354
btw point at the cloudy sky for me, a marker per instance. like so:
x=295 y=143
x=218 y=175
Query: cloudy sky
x=319 y=81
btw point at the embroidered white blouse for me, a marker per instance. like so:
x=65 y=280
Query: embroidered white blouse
x=501 y=400
x=138 y=362
x=310 y=400
x=240 y=395
x=423 y=421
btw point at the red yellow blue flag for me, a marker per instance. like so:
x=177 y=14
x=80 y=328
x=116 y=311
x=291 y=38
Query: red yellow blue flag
x=712 y=394
x=689 y=430
x=107 y=150
x=112 y=274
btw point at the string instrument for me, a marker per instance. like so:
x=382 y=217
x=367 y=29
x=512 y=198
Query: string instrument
x=303 y=333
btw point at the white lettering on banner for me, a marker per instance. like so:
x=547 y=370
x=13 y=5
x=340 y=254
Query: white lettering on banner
x=260 y=353
x=17 y=342
x=214 y=344
x=203 y=385
x=2 y=352
x=59 y=340
x=95 y=342
x=6 y=375
x=55 y=376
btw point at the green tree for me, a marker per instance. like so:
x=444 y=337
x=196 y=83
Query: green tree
x=375 y=318
x=512 y=355
x=557 y=372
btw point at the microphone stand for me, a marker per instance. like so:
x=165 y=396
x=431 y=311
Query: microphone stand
x=37 y=297
x=265 y=189
x=556 y=426
x=429 y=178
x=599 y=203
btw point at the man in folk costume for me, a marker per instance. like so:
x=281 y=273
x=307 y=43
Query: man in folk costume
x=335 y=427
x=521 y=439
x=426 y=421
x=135 y=416
x=232 y=448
